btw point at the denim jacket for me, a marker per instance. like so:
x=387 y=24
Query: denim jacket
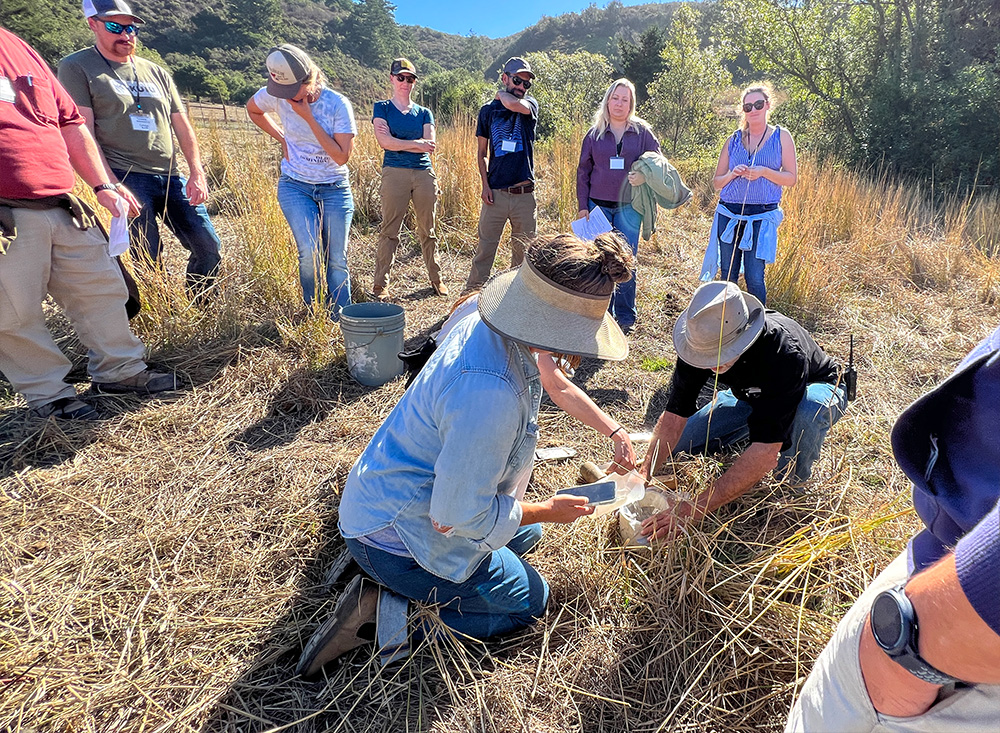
x=767 y=239
x=452 y=450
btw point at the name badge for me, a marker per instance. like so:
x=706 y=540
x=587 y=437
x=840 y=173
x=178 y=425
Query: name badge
x=508 y=146
x=617 y=164
x=6 y=90
x=143 y=123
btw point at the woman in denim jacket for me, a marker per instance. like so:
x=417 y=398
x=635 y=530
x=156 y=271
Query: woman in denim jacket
x=434 y=508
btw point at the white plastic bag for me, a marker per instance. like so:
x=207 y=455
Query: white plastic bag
x=632 y=515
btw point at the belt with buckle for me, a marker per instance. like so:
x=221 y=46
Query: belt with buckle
x=526 y=188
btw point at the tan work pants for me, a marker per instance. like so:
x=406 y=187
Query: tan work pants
x=399 y=187
x=519 y=208
x=50 y=255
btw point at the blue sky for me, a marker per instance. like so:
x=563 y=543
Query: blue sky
x=485 y=18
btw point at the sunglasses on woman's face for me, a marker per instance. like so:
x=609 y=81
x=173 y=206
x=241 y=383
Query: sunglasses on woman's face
x=406 y=78
x=759 y=104
x=519 y=82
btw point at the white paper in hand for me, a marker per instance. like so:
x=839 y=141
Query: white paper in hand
x=118 y=236
x=588 y=229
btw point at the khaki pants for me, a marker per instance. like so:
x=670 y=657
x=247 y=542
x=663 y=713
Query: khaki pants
x=834 y=698
x=399 y=187
x=519 y=208
x=50 y=255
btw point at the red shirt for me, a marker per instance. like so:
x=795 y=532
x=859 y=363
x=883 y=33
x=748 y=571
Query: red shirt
x=33 y=157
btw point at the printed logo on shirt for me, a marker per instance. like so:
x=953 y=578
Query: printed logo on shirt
x=506 y=134
x=316 y=159
x=146 y=89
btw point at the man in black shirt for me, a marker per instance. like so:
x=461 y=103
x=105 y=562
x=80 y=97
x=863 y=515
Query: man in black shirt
x=784 y=395
x=505 y=135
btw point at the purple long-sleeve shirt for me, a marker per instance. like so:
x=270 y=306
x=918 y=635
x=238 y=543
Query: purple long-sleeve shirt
x=948 y=444
x=595 y=179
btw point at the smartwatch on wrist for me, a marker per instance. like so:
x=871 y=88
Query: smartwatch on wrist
x=106 y=187
x=894 y=626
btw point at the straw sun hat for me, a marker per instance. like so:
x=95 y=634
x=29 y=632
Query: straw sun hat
x=526 y=306
x=720 y=324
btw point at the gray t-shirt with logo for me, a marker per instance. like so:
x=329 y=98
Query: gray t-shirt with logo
x=132 y=104
x=307 y=160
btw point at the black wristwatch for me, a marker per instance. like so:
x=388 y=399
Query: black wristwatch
x=106 y=187
x=894 y=625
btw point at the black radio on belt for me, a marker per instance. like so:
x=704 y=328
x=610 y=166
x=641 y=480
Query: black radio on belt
x=851 y=375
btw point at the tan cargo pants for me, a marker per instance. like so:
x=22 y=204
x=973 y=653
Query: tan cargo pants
x=399 y=187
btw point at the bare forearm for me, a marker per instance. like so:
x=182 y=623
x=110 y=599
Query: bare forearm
x=394 y=144
x=187 y=140
x=332 y=148
x=84 y=155
x=782 y=178
x=953 y=637
x=514 y=104
x=665 y=436
x=754 y=464
x=265 y=123
x=719 y=182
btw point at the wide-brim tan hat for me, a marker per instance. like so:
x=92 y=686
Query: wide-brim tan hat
x=720 y=324
x=524 y=305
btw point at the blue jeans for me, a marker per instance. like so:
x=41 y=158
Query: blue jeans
x=319 y=215
x=164 y=196
x=626 y=221
x=504 y=594
x=731 y=256
x=821 y=406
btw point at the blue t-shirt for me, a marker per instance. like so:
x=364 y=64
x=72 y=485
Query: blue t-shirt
x=512 y=138
x=408 y=126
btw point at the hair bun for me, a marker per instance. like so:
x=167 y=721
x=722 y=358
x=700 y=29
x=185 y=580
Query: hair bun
x=616 y=255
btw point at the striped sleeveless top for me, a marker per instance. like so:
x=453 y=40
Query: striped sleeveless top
x=761 y=191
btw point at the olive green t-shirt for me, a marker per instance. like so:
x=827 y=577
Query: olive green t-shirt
x=135 y=134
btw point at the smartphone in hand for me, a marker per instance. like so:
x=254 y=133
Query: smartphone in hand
x=599 y=492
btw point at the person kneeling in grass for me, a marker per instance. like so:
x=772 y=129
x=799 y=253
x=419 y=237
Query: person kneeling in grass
x=433 y=510
x=784 y=395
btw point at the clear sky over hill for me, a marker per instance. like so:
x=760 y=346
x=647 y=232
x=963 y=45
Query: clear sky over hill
x=483 y=18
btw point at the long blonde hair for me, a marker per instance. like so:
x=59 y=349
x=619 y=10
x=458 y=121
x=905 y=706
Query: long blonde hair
x=758 y=87
x=601 y=117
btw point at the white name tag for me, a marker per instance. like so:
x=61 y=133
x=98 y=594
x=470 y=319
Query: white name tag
x=6 y=90
x=508 y=146
x=143 y=123
x=617 y=164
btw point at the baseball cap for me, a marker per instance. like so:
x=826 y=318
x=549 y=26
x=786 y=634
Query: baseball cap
x=517 y=65
x=101 y=9
x=287 y=67
x=400 y=65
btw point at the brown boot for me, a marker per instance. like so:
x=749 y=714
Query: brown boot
x=440 y=288
x=351 y=625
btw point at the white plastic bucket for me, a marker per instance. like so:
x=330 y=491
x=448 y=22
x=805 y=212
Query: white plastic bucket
x=373 y=338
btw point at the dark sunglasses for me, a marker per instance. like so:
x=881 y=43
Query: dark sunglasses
x=519 y=82
x=117 y=28
x=759 y=104
x=406 y=78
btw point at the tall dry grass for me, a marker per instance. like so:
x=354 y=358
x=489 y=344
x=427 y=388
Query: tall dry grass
x=160 y=571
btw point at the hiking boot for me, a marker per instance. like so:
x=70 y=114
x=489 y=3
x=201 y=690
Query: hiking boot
x=67 y=408
x=145 y=382
x=351 y=625
x=440 y=289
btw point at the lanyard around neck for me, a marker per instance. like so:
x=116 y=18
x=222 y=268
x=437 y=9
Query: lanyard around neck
x=135 y=75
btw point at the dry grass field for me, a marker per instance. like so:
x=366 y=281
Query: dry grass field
x=160 y=570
